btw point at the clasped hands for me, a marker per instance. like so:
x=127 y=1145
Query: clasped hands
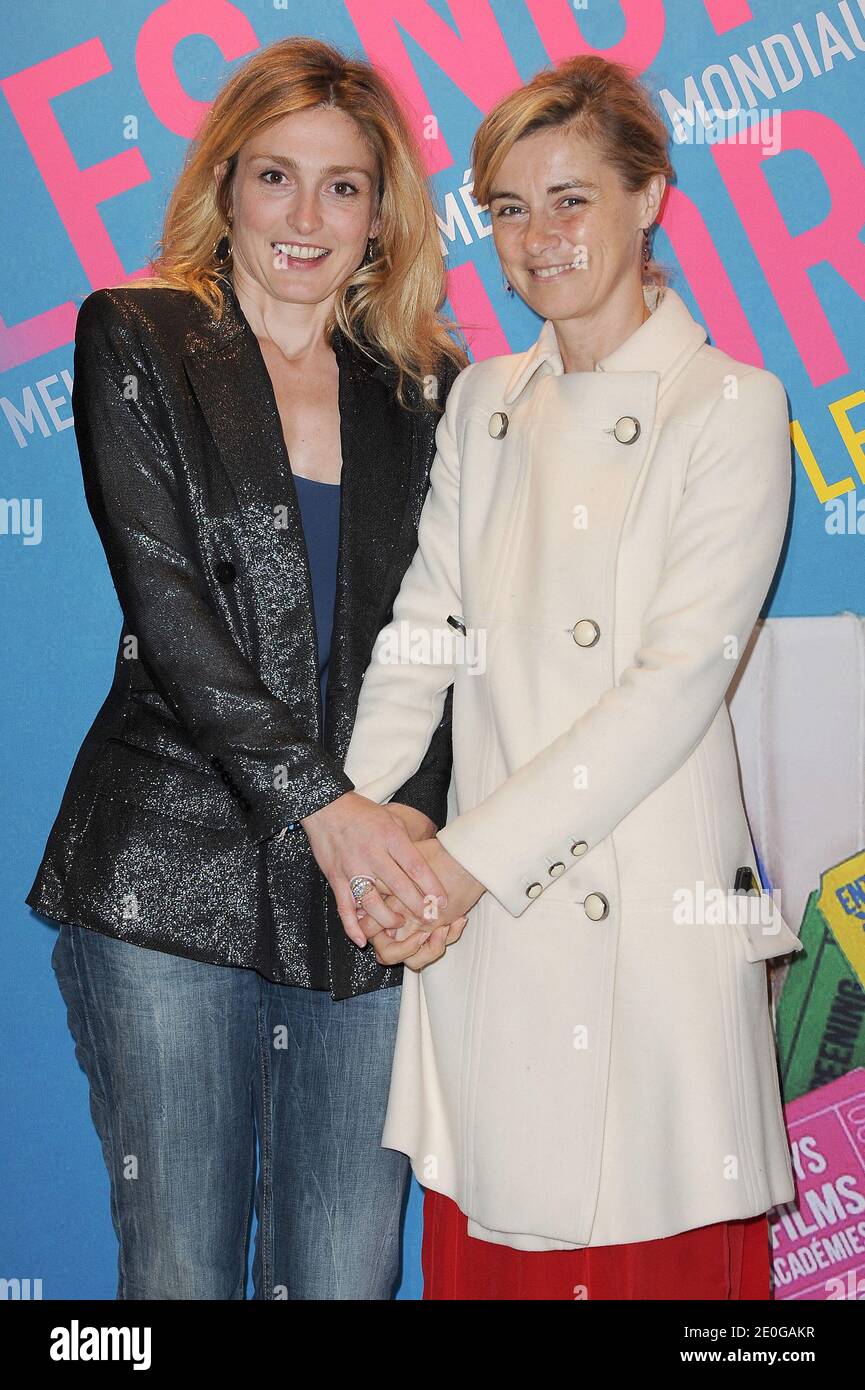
x=422 y=896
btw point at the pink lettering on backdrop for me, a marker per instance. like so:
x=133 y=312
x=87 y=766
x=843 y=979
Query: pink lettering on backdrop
x=475 y=314
x=704 y=270
x=727 y=14
x=21 y=342
x=160 y=34
x=477 y=59
x=75 y=192
x=785 y=258
x=558 y=27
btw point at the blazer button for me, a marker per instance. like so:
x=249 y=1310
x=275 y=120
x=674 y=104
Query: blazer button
x=498 y=425
x=225 y=572
x=627 y=430
x=579 y=847
x=586 y=632
x=596 y=907
x=534 y=890
x=556 y=869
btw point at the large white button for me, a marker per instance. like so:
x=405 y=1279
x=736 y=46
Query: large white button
x=579 y=847
x=534 y=890
x=586 y=632
x=627 y=430
x=498 y=425
x=556 y=869
x=596 y=907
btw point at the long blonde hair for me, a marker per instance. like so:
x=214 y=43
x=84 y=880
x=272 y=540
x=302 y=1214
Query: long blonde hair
x=604 y=102
x=392 y=303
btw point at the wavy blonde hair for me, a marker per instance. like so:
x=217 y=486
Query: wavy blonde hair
x=393 y=302
x=605 y=102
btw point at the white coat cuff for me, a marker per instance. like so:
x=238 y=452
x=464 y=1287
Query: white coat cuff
x=472 y=841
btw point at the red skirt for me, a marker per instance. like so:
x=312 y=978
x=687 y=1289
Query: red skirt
x=729 y=1260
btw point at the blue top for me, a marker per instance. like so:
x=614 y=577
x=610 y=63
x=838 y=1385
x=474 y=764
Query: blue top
x=319 y=509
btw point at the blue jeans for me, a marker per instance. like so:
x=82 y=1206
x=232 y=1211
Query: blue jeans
x=196 y=1071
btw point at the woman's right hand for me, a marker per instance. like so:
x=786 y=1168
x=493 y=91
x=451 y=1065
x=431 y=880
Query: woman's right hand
x=353 y=835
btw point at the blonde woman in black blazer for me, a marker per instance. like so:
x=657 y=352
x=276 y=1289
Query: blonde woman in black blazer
x=223 y=1018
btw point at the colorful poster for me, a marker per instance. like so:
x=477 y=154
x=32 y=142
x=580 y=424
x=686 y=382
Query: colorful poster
x=818 y=1242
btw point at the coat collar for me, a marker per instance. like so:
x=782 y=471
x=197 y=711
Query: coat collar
x=663 y=344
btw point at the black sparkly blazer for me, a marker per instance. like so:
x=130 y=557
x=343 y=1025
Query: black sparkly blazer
x=212 y=737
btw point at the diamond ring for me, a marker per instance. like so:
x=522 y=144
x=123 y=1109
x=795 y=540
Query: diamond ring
x=360 y=885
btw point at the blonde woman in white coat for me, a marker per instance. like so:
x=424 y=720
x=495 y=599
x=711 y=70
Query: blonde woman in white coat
x=585 y=1077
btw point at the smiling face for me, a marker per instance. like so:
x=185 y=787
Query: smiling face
x=304 y=204
x=567 y=231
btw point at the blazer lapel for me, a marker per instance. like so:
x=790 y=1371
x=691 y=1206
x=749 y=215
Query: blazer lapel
x=232 y=385
x=379 y=460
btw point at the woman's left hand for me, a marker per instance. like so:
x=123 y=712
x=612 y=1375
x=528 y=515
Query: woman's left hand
x=417 y=943
x=462 y=888
x=418 y=826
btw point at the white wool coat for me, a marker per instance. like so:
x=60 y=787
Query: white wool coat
x=593 y=1062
